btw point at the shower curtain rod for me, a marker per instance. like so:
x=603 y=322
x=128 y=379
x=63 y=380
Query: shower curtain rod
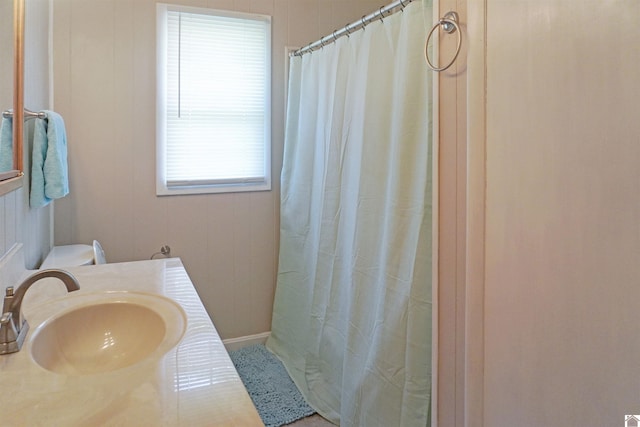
x=354 y=26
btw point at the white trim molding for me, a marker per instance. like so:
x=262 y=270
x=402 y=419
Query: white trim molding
x=233 y=344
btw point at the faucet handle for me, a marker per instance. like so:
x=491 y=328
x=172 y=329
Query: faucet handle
x=8 y=332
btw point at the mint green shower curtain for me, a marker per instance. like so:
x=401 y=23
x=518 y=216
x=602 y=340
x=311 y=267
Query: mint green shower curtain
x=352 y=310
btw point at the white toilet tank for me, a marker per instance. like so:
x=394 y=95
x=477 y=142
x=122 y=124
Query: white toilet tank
x=74 y=255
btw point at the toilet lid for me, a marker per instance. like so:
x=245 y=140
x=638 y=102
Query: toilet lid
x=68 y=256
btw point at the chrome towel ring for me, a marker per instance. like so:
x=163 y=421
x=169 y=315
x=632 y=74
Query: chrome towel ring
x=449 y=23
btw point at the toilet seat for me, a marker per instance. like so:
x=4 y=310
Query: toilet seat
x=69 y=256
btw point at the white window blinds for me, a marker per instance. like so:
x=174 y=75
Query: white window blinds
x=214 y=99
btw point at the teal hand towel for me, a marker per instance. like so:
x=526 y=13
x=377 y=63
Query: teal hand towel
x=56 y=170
x=49 y=168
x=37 y=197
x=6 y=145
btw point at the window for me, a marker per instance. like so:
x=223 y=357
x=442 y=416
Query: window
x=213 y=101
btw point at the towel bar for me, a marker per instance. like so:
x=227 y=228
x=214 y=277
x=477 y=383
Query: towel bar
x=28 y=114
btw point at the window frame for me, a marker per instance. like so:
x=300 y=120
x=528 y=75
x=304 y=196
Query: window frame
x=221 y=185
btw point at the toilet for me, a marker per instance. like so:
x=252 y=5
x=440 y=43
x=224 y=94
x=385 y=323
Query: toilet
x=74 y=255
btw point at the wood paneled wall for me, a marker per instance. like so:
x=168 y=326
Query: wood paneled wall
x=104 y=85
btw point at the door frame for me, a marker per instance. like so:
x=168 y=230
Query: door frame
x=459 y=222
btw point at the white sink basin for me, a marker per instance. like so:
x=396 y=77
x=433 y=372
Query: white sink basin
x=108 y=332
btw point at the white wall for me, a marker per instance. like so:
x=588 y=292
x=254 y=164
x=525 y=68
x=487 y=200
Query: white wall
x=552 y=245
x=19 y=223
x=104 y=85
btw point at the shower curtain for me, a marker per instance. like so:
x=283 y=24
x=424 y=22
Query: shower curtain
x=352 y=310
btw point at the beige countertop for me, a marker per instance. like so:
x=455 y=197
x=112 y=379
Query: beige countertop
x=193 y=384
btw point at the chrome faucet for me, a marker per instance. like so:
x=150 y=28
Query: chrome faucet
x=13 y=329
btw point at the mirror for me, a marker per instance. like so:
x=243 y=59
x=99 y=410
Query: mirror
x=11 y=85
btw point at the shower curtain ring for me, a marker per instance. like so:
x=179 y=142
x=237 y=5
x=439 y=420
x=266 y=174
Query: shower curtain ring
x=346 y=30
x=402 y=5
x=381 y=13
x=335 y=39
x=362 y=20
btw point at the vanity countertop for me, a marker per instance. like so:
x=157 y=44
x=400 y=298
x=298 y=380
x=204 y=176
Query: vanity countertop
x=193 y=384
